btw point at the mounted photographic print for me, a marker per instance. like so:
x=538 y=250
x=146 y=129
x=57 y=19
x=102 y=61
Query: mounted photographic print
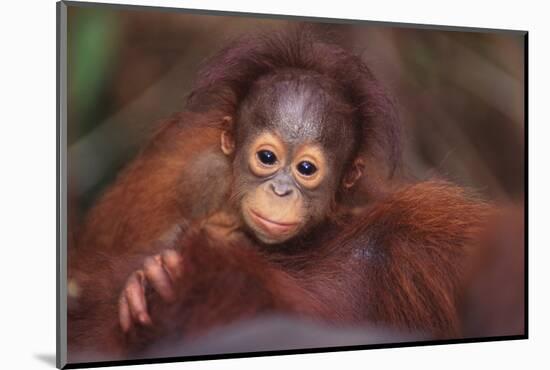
x=236 y=185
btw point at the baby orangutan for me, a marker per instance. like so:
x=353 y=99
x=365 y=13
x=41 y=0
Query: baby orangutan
x=294 y=137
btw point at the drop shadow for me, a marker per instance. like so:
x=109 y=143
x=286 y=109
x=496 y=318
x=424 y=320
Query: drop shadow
x=47 y=358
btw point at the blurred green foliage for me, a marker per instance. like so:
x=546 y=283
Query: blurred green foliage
x=93 y=38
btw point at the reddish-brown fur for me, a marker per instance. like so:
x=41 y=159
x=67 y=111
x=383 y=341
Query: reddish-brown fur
x=401 y=264
x=493 y=303
x=125 y=226
x=397 y=260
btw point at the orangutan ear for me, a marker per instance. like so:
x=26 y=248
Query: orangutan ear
x=227 y=142
x=354 y=173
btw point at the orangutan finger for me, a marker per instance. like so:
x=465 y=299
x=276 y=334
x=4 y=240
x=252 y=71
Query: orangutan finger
x=172 y=262
x=124 y=316
x=135 y=296
x=158 y=278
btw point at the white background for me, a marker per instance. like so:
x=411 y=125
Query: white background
x=27 y=182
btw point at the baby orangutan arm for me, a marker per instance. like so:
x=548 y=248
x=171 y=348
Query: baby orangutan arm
x=161 y=271
x=158 y=272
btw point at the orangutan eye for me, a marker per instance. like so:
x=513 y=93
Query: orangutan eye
x=267 y=157
x=306 y=168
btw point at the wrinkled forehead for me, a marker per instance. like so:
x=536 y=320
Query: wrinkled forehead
x=299 y=111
